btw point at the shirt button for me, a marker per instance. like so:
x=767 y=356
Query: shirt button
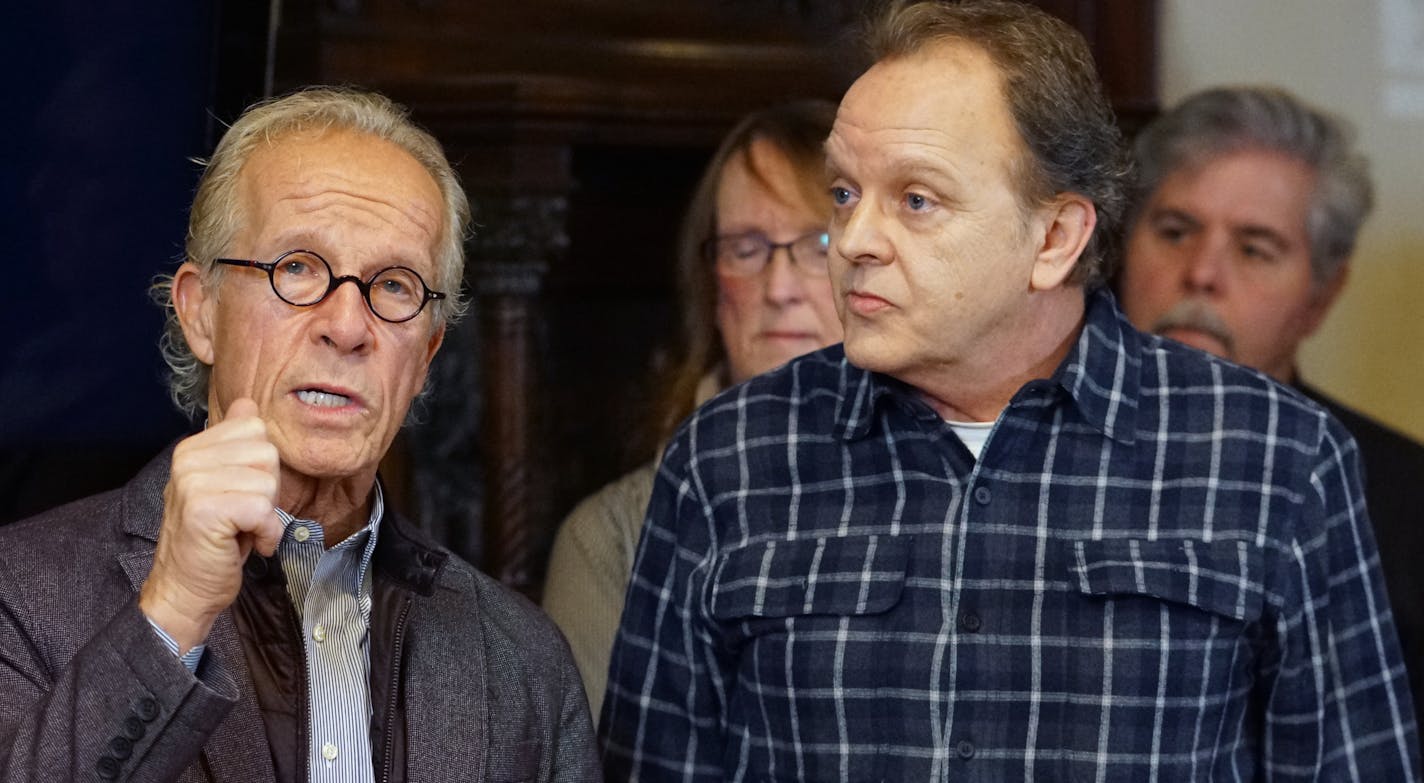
x=965 y=749
x=982 y=495
x=969 y=621
x=319 y=633
x=328 y=752
x=301 y=534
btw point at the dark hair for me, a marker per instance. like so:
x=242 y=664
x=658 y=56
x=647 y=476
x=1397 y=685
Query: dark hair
x=1054 y=95
x=1224 y=120
x=798 y=130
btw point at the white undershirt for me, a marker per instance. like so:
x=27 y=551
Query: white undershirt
x=973 y=433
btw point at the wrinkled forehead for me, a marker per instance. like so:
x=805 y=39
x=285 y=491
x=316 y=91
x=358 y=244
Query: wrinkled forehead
x=308 y=176
x=1243 y=186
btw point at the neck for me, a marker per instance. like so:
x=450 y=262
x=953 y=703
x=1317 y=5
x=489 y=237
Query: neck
x=341 y=506
x=978 y=388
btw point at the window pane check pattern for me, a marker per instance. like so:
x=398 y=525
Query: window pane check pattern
x=1160 y=568
x=331 y=590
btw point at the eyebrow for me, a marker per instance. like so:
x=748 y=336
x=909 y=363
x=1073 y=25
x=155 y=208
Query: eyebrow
x=903 y=170
x=833 y=170
x=1240 y=231
x=1253 y=231
x=1169 y=213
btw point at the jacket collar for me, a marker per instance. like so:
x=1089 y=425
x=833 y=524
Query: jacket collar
x=142 y=510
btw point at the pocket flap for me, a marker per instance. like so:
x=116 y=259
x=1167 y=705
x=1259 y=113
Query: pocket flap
x=860 y=574
x=1223 y=577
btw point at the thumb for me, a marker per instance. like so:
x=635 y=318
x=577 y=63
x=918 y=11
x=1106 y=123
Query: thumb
x=266 y=536
x=240 y=408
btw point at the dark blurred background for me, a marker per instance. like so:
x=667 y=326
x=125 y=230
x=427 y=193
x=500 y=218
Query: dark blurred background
x=579 y=128
x=107 y=103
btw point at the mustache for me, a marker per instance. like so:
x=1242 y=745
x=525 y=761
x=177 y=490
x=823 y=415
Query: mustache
x=1196 y=315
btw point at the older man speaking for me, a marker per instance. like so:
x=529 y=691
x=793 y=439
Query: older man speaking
x=247 y=608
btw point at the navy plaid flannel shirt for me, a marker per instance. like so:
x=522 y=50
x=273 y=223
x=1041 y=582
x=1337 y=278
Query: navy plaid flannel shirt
x=1160 y=568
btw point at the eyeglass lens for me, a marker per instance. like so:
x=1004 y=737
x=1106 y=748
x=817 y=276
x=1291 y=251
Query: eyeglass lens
x=748 y=254
x=302 y=279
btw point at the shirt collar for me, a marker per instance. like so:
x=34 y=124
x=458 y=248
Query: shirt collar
x=1100 y=374
x=364 y=538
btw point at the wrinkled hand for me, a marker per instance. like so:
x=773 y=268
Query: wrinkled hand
x=217 y=507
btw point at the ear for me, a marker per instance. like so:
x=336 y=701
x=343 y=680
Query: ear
x=436 y=338
x=193 y=303
x=1068 y=224
x=1323 y=298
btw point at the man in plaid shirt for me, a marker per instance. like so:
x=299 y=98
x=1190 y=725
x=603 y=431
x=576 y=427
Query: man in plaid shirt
x=1000 y=534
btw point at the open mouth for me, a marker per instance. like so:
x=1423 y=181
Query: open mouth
x=322 y=399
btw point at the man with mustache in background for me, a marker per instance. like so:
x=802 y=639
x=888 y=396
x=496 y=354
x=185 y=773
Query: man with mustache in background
x=1249 y=203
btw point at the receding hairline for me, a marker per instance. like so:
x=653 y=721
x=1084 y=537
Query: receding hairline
x=969 y=54
x=433 y=211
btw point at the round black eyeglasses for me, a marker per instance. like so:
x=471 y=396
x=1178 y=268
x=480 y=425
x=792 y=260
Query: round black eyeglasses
x=302 y=278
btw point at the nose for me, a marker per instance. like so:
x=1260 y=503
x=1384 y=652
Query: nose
x=857 y=237
x=344 y=320
x=1207 y=266
x=784 y=285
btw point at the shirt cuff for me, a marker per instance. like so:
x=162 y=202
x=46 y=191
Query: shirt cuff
x=189 y=659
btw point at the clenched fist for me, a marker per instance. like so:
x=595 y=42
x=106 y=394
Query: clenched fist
x=217 y=507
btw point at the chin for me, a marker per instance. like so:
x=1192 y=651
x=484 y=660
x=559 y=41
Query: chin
x=333 y=461
x=870 y=354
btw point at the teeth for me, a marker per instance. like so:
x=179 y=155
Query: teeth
x=322 y=399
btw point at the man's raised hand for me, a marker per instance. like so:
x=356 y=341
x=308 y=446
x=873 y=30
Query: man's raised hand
x=218 y=507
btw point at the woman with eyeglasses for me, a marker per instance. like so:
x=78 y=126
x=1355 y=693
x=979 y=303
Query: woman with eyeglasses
x=754 y=292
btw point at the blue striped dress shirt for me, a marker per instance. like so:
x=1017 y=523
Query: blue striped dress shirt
x=1160 y=568
x=331 y=590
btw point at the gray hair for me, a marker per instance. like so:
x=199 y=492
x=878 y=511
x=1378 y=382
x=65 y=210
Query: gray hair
x=1052 y=90
x=1225 y=120
x=216 y=214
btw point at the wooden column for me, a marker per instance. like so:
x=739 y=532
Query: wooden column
x=510 y=258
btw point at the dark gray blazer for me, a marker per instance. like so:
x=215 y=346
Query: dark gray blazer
x=1394 y=492
x=490 y=690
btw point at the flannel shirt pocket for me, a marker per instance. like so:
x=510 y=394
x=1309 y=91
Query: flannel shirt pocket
x=1222 y=577
x=828 y=575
